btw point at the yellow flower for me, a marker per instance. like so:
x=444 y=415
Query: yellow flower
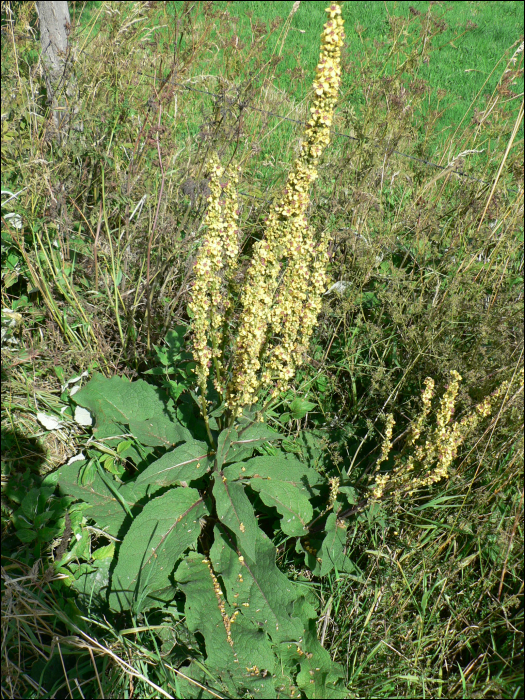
x=286 y=279
x=430 y=461
x=215 y=264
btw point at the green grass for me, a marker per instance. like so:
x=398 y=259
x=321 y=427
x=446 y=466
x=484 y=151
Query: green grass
x=460 y=67
x=465 y=66
x=433 y=267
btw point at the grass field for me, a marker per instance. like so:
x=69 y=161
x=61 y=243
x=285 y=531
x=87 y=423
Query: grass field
x=99 y=237
x=463 y=64
x=471 y=42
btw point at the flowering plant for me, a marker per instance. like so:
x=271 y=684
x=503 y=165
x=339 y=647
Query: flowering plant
x=193 y=531
x=187 y=525
x=286 y=278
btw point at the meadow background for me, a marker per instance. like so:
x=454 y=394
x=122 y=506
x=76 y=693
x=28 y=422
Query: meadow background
x=98 y=239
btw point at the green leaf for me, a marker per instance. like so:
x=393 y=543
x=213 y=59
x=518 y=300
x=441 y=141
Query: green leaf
x=250 y=437
x=322 y=383
x=312 y=449
x=258 y=590
x=185 y=463
x=326 y=551
x=29 y=503
x=175 y=338
x=157 y=538
x=282 y=482
x=80 y=549
x=21 y=521
x=124 y=445
x=137 y=453
x=118 y=469
x=291 y=503
x=282 y=468
x=117 y=401
x=106 y=509
x=331 y=552
x=239 y=658
x=160 y=431
x=300 y=407
x=88 y=472
x=26 y=535
x=42 y=518
x=47 y=534
x=175 y=389
x=156 y=371
x=92 y=584
x=162 y=356
x=319 y=676
x=195 y=671
x=236 y=512
x=104 y=552
x=223 y=445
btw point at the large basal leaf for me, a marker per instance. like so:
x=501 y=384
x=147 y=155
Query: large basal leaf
x=257 y=589
x=117 y=401
x=185 y=463
x=107 y=509
x=236 y=512
x=240 y=656
x=159 y=431
x=157 y=538
x=283 y=483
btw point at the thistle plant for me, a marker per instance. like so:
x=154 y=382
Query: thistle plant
x=286 y=278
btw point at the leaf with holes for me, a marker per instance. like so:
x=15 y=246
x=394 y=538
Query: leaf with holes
x=258 y=589
x=237 y=651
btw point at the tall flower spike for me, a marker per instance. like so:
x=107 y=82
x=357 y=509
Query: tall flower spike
x=215 y=263
x=289 y=252
x=429 y=462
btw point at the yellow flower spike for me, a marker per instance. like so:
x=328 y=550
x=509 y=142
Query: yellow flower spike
x=216 y=260
x=382 y=479
x=427 y=397
x=287 y=311
x=429 y=462
x=334 y=490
